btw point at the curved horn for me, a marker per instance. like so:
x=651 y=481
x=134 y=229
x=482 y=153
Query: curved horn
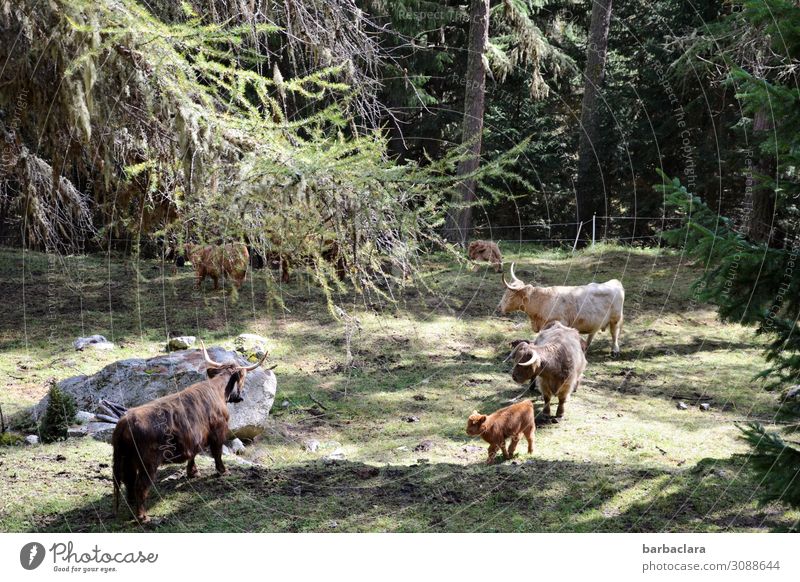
x=209 y=361
x=515 y=283
x=534 y=359
x=256 y=365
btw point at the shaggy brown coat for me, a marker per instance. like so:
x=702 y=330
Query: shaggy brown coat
x=486 y=251
x=555 y=359
x=174 y=429
x=509 y=422
x=216 y=261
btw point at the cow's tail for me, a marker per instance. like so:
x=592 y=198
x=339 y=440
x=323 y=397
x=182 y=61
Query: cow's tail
x=117 y=474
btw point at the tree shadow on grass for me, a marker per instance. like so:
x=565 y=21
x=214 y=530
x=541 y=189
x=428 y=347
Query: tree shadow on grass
x=533 y=495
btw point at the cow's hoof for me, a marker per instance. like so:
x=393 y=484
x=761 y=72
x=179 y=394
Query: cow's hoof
x=555 y=420
x=615 y=355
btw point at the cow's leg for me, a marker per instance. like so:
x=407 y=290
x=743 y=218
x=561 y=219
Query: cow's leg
x=144 y=480
x=560 y=410
x=528 y=432
x=589 y=339
x=513 y=446
x=616 y=327
x=563 y=394
x=199 y=276
x=191 y=468
x=215 y=444
x=546 y=396
x=215 y=278
x=492 y=453
x=504 y=449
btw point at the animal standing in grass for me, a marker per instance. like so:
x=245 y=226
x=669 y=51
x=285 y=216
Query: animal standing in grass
x=509 y=422
x=486 y=251
x=216 y=261
x=175 y=429
x=587 y=308
x=555 y=360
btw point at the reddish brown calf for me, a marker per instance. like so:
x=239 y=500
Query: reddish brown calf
x=511 y=421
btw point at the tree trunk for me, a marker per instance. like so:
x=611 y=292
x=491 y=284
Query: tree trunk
x=762 y=212
x=589 y=184
x=459 y=221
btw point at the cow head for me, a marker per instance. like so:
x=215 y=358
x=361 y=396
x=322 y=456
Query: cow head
x=237 y=374
x=527 y=362
x=475 y=423
x=516 y=295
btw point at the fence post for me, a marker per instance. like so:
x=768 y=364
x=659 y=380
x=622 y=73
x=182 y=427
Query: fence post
x=577 y=236
x=594 y=216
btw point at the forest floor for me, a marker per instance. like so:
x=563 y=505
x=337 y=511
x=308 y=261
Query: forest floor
x=623 y=459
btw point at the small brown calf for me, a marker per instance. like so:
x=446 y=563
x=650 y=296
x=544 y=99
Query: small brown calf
x=511 y=421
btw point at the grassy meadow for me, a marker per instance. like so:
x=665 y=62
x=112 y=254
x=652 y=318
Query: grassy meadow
x=625 y=458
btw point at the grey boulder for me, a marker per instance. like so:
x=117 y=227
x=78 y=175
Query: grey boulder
x=183 y=342
x=97 y=342
x=252 y=346
x=136 y=381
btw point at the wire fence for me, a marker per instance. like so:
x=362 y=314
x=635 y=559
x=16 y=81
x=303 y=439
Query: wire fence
x=601 y=228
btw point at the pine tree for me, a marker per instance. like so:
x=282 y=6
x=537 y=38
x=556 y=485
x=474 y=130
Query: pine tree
x=58 y=415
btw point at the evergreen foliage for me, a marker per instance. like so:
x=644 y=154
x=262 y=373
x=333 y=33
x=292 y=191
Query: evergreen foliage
x=58 y=415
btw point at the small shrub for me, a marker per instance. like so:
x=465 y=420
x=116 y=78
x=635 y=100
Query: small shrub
x=8 y=439
x=60 y=412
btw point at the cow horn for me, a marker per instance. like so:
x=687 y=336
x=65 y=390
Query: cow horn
x=533 y=360
x=256 y=365
x=515 y=283
x=209 y=361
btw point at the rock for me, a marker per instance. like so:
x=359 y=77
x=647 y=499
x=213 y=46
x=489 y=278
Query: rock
x=411 y=418
x=97 y=342
x=285 y=404
x=337 y=455
x=424 y=446
x=226 y=450
x=76 y=431
x=252 y=346
x=100 y=431
x=82 y=417
x=136 y=381
x=236 y=446
x=183 y=342
x=705 y=406
x=681 y=405
x=471 y=449
x=793 y=392
x=311 y=445
x=31 y=439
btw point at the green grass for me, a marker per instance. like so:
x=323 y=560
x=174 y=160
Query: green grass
x=624 y=459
